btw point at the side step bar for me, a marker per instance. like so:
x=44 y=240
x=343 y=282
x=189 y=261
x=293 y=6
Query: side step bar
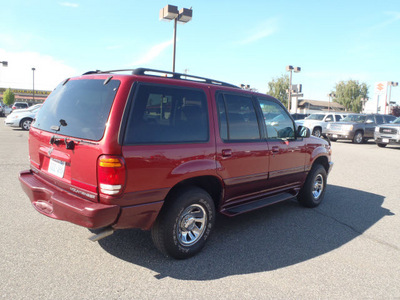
x=243 y=208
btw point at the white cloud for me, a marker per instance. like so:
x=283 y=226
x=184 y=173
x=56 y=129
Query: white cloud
x=49 y=71
x=153 y=53
x=393 y=16
x=69 y=4
x=263 y=30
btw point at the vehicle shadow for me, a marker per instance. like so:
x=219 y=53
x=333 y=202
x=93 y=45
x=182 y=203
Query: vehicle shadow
x=271 y=238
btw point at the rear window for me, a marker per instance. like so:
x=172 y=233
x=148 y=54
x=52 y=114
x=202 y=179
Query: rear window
x=79 y=108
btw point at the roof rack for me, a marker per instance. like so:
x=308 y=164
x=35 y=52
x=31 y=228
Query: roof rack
x=167 y=74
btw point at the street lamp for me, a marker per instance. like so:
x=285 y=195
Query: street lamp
x=296 y=70
x=170 y=12
x=331 y=95
x=33 y=91
x=391 y=83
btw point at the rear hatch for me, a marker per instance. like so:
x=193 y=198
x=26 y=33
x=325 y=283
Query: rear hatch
x=67 y=136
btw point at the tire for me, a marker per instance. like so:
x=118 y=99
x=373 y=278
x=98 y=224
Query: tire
x=317 y=132
x=381 y=145
x=26 y=123
x=358 y=137
x=313 y=191
x=184 y=223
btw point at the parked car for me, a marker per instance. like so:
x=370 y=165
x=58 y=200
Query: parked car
x=20 y=105
x=4 y=110
x=166 y=151
x=357 y=127
x=298 y=116
x=388 y=134
x=22 y=117
x=318 y=122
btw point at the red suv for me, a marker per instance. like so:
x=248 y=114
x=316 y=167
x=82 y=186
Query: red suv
x=166 y=151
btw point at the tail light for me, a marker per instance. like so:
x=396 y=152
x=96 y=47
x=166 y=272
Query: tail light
x=111 y=174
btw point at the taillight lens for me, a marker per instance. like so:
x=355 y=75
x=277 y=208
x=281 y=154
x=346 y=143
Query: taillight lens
x=111 y=174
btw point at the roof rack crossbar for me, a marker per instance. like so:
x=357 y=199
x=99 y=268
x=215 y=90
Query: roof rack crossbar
x=160 y=73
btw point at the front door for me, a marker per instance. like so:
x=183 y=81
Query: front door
x=287 y=160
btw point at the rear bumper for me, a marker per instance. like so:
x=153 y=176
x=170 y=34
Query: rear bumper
x=58 y=204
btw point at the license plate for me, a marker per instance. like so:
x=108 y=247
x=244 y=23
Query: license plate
x=385 y=140
x=57 y=167
x=334 y=135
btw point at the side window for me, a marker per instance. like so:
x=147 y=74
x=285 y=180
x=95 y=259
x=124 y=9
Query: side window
x=279 y=124
x=389 y=119
x=162 y=114
x=370 y=119
x=338 y=118
x=237 y=118
x=379 y=119
x=329 y=118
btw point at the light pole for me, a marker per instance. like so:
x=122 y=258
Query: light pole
x=33 y=91
x=170 y=12
x=296 y=70
x=391 y=83
x=331 y=95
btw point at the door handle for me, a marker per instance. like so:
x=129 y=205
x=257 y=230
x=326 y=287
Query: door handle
x=226 y=152
x=275 y=149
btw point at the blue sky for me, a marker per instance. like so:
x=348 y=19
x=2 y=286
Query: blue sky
x=248 y=42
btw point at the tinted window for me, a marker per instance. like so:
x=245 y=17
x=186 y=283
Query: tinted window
x=164 y=114
x=354 y=118
x=337 y=118
x=84 y=105
x=379 y=119
x=279 y=124
x=389 y=119
x=237 y=118
x=369 y=119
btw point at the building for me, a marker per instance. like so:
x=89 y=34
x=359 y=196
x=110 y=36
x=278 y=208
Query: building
x=314 y=106
x=22 y=95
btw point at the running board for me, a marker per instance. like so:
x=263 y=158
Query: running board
x=243 y=208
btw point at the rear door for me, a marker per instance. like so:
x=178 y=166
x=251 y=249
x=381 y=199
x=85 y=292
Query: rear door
x=242 y=151
x=370 y=124
x=167 y=140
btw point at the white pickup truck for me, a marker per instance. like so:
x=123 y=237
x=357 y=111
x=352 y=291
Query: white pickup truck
x=318 y=122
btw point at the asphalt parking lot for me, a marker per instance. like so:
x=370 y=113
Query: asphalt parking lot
x=348 y=247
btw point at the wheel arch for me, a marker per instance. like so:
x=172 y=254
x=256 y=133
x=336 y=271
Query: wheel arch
x=210 y=184
x=321 y=160
x=23 y=119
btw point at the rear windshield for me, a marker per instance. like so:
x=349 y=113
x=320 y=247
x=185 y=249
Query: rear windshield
x=318 y=117
x=79 y=108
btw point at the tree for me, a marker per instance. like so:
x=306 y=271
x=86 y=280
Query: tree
x=396 y=110
x=278 y=87
x=349 y=94
x=8 y=97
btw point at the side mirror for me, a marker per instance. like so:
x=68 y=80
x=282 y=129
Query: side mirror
x=328 y=120
x=303 y=132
